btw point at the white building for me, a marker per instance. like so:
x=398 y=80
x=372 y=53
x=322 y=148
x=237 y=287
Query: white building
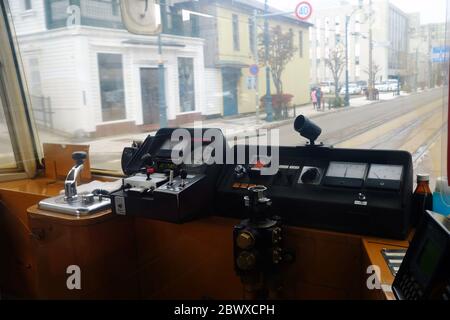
x=429 y=53
x=98 y=78
x=390 y=40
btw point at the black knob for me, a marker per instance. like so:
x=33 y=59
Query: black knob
x=79 y=157
x=310 y=175
x=240 y=171
x=183 y=174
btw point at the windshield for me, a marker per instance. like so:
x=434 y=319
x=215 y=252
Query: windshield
x=372 y=74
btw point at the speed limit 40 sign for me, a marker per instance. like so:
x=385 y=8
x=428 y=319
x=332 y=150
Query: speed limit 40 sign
x=303 y=11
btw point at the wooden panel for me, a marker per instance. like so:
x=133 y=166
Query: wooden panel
x=16 y=256
x=195 y=260
x=189 y=261
x=372 y=256
x=327 y=265
x=58 y=161
x=103 y=247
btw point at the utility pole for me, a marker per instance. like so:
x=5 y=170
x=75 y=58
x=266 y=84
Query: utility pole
x=161 y=71
x=268 y=100
x=347 y=95
x=416 y=77
x=347 y=22
x=430 y=61
x=371 y=80
x=256 y=57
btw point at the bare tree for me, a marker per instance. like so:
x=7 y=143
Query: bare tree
x=376 y=69
x=281 y=52
x=336 y=63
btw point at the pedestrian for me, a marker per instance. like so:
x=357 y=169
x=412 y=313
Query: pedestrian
x=319 y=98
x=314 y=98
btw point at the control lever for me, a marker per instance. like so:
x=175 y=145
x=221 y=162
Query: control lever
x=170 y=177
x=257 y=203
x=258 y=248
x=183 y=176
x=70 y=185
x=149 y=171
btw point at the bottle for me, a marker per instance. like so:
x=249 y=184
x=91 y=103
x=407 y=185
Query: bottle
x=441 y=197
x=422 y=199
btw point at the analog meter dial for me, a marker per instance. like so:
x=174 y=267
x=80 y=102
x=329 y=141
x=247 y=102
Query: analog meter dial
x=346 y=174
x=384 y=176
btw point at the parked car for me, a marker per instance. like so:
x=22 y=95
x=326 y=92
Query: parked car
x=392 y=85
x=382 y=86
x=362 y=84
x=353 y=88
x=327 y=87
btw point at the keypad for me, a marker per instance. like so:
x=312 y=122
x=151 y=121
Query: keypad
x=410 y=289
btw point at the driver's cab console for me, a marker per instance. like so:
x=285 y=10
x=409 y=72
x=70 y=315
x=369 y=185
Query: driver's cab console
x=171 y=177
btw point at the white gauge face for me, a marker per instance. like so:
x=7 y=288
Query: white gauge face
x=347 y=170
x=385 y=172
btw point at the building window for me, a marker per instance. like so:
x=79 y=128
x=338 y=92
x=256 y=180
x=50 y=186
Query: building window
x=115 y=7
x=112 y=86
x=186 y=84
x=338 y=38
x=357 y=60
x=300 y=44
x=251 y=31
x=236 y=45
x=28 y=5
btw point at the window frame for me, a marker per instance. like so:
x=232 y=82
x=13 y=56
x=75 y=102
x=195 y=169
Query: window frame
x=235 y=30
x=125 y=118
x=251 y=36
x=194 y=98
x=14 y=93
x=301 y=40
x=27 y=5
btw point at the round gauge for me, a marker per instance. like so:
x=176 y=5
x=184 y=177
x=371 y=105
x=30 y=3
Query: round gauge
x=141 y=16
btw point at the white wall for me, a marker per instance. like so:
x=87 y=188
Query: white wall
x=213 y=89
x=30 y=21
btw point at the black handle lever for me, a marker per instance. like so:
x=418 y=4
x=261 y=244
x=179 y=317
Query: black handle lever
x=79 y=157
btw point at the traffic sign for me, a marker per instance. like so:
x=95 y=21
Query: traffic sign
x=254 y=70
x=304 y=10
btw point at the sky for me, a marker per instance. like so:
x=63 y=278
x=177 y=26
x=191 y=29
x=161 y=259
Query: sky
x=429 y=13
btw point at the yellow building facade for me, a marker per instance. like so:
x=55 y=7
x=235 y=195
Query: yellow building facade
x=235 y=55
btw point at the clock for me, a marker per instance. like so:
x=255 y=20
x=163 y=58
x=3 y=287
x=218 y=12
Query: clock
x=141 y=16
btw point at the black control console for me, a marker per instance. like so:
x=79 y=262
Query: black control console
x=170 y=179
x=356 y=191
x=425 y=270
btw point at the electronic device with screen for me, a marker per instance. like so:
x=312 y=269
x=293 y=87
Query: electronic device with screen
x=425 y=270
x=172 y=179
x=357 y=191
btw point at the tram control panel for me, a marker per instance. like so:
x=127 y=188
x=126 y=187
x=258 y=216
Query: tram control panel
x=169 y=184
x=357 y=191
